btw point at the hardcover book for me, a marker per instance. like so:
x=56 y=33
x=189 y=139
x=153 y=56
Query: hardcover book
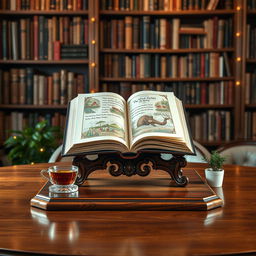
x=148 y=120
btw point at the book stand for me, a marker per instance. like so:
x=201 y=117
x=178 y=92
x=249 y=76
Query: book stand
x=130 y=164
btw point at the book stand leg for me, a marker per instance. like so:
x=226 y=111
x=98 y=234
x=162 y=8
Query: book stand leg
x=130 y=164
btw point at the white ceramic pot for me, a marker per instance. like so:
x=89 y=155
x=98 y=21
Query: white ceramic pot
x=214 y=178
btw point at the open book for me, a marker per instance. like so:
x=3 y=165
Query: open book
x=149 y=120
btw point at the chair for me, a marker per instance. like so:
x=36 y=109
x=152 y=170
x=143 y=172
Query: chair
x=56 y=156
x=240 y=153
x=201 y=153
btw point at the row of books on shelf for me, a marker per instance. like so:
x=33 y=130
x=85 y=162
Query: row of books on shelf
x=189 y=93
x=44 y=5
x=250 y=125
x=41 y=38
x=166 y=5
x=250 y=87
x=27 y=86
x=251 y=4
x=148 y=32
x=202 y=65
x=19 y=120
x=211 y=125
x=251 y=41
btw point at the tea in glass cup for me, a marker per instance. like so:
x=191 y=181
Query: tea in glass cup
x=62 y=178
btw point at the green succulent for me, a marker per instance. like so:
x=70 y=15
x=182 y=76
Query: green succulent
x=215 y=161
x=33 y=144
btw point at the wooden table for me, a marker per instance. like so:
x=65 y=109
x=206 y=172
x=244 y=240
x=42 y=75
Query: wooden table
x=225 y=230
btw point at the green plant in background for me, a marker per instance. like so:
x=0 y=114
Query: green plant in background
x=215 y=161
x=33 y=144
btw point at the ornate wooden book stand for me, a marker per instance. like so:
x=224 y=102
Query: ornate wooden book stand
x=130 y=164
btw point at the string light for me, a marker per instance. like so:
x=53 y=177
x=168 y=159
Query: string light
x=238 y=83
x=238 y=59
x=92 y=91
x=238 y=8
x=32 y=163
x=41 y=149
x=93 y=19
x=93 y=42
x=93 y=64
x=14 y=137
x=238 y=34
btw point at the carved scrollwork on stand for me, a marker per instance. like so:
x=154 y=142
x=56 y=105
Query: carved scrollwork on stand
x=141 y=164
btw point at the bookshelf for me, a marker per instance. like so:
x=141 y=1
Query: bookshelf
x=249 y=71
x=44 y=60
x=179 y=46
x=185 y=48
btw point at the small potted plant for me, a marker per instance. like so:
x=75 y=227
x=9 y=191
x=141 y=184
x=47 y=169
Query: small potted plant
x=215 y=173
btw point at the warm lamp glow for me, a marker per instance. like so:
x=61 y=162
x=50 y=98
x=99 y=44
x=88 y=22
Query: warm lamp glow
x=93 y=42
x=93 y=64
x=238 y=59
x=238 y=8
x=93 y=19
x=92 y=91
x=238 y=83
x=238 y=34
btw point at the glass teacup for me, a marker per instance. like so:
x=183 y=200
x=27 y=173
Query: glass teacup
x=62 y=178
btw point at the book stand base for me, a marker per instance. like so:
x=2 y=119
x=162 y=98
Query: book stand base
x=130 y=164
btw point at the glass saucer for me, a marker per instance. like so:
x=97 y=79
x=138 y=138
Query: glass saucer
x=63 y=188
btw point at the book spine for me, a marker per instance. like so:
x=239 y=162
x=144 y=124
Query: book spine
x=29 y=86
x=145 y=33
x=176 y=25
x=41 y=86
x=63 y=87
x=162 y=34
x=56 y=88
x=135 y=33
x=22 y=86
x=128 y=32
x=50 y=90
x=14 y=86
x=56 y=50
x=14 y=36
x=36 y=38
x=41 y=37
x=4 y=42
x=70 y=86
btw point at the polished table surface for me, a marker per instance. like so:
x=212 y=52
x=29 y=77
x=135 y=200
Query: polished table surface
x=225 y=230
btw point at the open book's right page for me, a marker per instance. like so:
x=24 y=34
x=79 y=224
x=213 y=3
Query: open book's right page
x=155 y=114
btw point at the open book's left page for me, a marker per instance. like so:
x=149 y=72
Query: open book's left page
x=100 y=118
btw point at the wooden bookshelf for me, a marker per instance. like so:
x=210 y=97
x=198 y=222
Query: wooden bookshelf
x=70 y=28
x=248 y=106
x=97 y=51
x=114 y=18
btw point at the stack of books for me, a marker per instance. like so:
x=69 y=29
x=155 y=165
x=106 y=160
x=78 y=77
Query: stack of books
x=73 y=51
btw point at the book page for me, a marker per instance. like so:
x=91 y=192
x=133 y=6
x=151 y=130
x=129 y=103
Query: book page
x=101 y=116
x=153 y=113
x=70 y=125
